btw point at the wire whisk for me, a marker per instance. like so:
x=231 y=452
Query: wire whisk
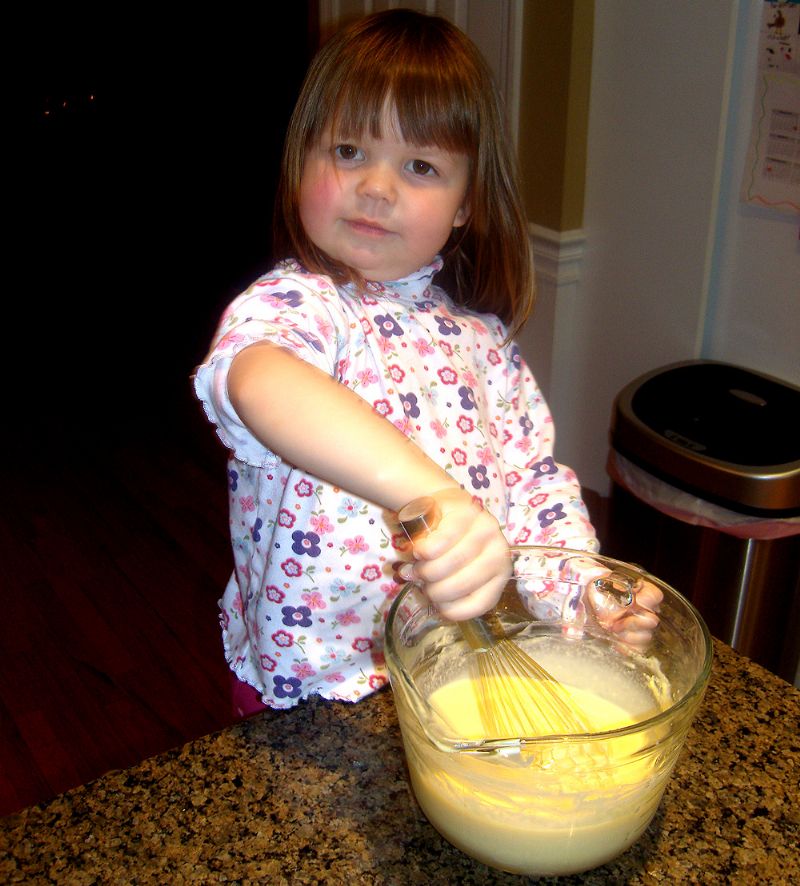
x=516 y=696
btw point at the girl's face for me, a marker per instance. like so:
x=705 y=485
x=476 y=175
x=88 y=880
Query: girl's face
x=383 y=207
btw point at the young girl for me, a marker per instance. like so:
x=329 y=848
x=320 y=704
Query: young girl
x=346 y=382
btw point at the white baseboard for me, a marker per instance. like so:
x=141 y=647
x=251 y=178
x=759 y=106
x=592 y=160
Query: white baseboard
x=558 y=258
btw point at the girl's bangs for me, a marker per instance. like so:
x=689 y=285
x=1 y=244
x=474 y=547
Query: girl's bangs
x=429 y=113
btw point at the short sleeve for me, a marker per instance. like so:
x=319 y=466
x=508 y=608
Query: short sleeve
x=293 y=310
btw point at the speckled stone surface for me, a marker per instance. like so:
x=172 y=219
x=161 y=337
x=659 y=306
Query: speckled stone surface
x=319 y=795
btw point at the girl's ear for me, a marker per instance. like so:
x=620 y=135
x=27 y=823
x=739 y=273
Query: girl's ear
x=462 y=216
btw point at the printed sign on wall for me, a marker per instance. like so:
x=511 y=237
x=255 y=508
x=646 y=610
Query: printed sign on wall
x=772 y=170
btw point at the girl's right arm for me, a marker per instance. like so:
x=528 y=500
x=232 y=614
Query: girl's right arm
x=312 y=421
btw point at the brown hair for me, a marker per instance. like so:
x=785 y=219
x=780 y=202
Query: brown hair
x=443 y=93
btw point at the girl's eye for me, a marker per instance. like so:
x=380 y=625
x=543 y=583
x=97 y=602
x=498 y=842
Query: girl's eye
x=348 y=152
x=420 y=167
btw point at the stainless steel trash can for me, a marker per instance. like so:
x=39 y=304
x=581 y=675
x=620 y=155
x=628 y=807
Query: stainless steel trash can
x=705 y=469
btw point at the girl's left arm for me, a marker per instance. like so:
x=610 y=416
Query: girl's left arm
x=546 y=507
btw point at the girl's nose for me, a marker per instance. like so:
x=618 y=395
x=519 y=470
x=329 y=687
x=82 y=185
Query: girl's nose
x=377 y=183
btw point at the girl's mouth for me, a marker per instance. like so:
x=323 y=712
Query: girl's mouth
x=367 y=228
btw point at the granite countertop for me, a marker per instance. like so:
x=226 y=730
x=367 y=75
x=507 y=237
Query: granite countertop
x=319 y=795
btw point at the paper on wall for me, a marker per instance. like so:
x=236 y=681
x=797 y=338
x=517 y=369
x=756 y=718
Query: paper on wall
x=772 y=169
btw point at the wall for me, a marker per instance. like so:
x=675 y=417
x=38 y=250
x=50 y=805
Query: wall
x=554 y=98
x=674 y=266
x=753 y=315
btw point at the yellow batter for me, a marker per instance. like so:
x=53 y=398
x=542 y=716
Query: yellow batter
x=459 y=705
x=556 y=808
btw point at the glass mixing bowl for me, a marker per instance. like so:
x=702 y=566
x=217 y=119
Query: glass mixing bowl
x=558 y=804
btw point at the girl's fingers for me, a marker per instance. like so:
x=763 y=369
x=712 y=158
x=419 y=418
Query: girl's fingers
x=474 y=604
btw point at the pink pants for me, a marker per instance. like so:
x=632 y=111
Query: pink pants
x=245 y=700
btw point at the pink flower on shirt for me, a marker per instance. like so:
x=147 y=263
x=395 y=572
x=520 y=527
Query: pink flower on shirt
x=273 y=594
x=465 y=424
x=303 y=669
x=396 y=373
x=324 y=327
x=356 y=545
x=314 y=600
x=524 y=444
x=320 y=524
x=303 y=488
x=232 y=338
x=439 y=429
x=367 y=377
x=286 y=518
x=291 y=568
x=349 y=617
x=371 y=572
x=283 y=639
x=247 y=504
x=423 y=347
x=485 y=456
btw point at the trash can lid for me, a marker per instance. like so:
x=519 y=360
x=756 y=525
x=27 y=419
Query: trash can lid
x=717 y=430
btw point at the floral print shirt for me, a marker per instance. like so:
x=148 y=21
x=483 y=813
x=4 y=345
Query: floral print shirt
x=305 y=607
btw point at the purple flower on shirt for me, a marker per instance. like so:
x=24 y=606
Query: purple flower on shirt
x=409 y=402
x=306 y=543
x=526 y=424
x=467 y=397
x=310 y=339
x=544 y=468
x=286 y=687
x=479 y=478
x=234 y=478
x=388 y=326
x=447 y=326
x=293 y=298
x=549 y=515
x=255 y=530
x=299 y=616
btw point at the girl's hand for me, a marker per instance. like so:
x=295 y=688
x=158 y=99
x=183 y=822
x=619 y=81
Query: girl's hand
x=633 y=624
x=463 y=562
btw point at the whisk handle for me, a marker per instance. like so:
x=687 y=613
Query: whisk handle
x=420 y=516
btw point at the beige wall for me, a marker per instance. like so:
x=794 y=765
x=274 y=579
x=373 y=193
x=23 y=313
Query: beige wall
x=554 y=109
